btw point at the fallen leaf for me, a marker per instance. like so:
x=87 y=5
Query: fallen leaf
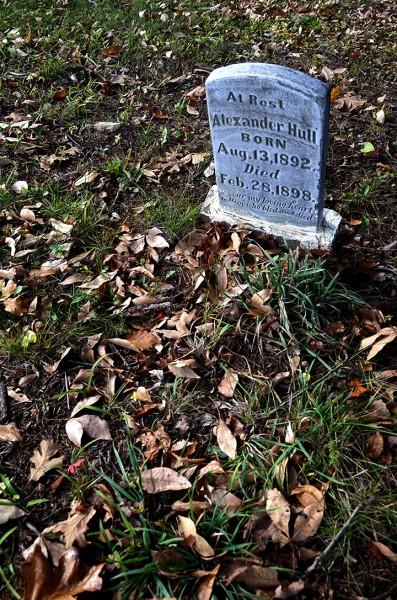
x=86 y=403
x=196 y=94
x=253 y=576
x=163 y=479
x=91 y=425
x=384 y=551
x=183 y=368
x=228 y=384
x=60 y=226
x=291 y=591
x=226 y=440
x=226 y=500
x=112 y=51
x=280 y=513
x=388 y=334
x=195 y=506
x=98 y=281
x=86 y=178
x=144 y=340
x=154 y=239
x=380 y=116
x=358 y=388
x=198 y=157
x=335 y=92
x=196 y=541
x=20 y=187
x=10 y=433
x=374 y=446
x=63 y=582
x=60 y=95
x=42 y=459
x=106 y=126
x=28 y=215
x=307 y=522
x=204 y=591
x=9 y=511
x=73 y=529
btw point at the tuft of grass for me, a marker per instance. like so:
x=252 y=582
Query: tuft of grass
x=177 y=213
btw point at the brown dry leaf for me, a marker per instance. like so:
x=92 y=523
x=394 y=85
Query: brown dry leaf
x=10 y=433
x=335 y=93
x=60 y=95
x=9 y=511
x=374 y=446
x=43 y=460
x=198 y=157
x=228 y=384
x=291 y=591
x=308 y=495
x=183 y=368
x=204 y=591
x=189 y=532
x=387 y=335
x=253 y=576
x=27 y=214
x=144 y=340
x=349 y=103
x=142 y=394
x=358 y=388
x=163 y=479
x=195 y=505
x=88 y=177
x=154 y=239
x=377 y=412
x=91 y=425
x=307 y=523
x=213 y=467
x=112 y=51
x=192 y=111
x=309 y=520
x=280 y=513
x=196 y=94
x=226 y=440
x=64 y=582
x=17 y=306
x=85 y=404
x=225 y=500
x=73 y=529
x=221 y=279
x=20 y=187
x=106 y=126
x=384 y=551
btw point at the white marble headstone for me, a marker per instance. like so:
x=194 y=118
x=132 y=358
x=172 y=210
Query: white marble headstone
x=269 y=129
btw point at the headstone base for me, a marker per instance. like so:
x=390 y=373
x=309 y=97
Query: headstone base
x=305 y=237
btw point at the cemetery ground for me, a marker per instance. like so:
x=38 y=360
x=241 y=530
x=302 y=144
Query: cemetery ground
x=187 y=410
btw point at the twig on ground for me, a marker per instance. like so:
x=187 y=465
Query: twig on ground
x=4 y=411
x=338 y=536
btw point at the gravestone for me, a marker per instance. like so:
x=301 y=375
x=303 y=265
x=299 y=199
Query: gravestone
x=269 y=130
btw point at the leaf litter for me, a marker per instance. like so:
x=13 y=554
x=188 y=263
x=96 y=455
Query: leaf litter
x=172 y=344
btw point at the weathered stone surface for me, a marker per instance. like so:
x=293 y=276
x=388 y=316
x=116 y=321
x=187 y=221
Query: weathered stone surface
x=269 y=128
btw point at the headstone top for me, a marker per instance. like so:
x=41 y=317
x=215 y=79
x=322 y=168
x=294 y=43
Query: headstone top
x=289 y=77
x=269 y=128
